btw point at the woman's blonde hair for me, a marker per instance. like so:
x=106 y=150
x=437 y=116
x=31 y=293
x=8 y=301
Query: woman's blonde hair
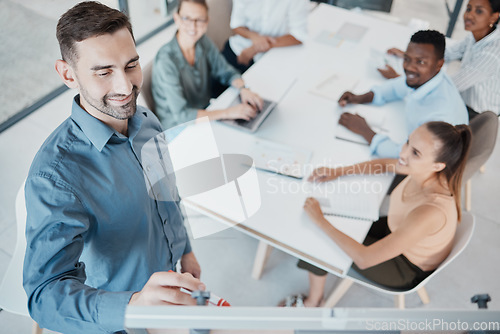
x=199 y=2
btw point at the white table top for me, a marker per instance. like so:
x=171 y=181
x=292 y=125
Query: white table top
x=308 y=121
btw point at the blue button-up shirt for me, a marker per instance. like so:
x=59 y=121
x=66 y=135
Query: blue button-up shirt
x=97 y=225
x=436 y=100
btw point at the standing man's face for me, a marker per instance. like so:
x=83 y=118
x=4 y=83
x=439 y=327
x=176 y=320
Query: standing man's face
x=107 y=73
x=420 y=64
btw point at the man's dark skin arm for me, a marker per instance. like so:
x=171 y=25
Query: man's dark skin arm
x=350 y=98
x=356 y=123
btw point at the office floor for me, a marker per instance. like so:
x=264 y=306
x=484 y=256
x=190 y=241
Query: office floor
x=227 y=273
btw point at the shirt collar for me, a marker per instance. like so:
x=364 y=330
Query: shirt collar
x=135 y=123
x=96 y=131
x=429 y=86
x=488 y=38
x=178 y=52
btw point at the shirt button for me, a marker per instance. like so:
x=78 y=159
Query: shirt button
x=148 y=168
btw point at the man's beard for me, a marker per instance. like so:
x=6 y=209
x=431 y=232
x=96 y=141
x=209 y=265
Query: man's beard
x=125 y=111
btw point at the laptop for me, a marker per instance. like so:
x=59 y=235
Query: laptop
x=253 y=124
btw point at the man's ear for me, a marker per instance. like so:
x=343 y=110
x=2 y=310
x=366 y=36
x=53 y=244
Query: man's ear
x=440 y=63
x=66 y=73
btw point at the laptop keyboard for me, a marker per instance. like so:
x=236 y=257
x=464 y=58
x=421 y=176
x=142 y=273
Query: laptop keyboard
x=250 y=123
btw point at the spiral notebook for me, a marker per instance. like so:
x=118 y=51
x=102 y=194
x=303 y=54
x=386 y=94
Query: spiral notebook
x=364 y=206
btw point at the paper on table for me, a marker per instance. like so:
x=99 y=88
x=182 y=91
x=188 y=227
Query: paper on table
x=348 y=32
x=352 y=32
x=374 y=116
x=380 y=59
x=279 y=158
x=329 y=38
x=333 y=85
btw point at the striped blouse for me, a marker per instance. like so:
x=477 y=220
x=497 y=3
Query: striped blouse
x=478 y=78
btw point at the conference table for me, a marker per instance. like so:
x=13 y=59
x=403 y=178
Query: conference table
x=342 y=42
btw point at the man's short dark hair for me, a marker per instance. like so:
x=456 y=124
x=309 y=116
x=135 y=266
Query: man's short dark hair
x=85 y=20
x=431 y=37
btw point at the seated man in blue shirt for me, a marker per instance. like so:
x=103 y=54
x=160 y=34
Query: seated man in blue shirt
x=102 y=232
x=429 y=94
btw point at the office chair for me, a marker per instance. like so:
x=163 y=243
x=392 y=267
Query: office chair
x=462 y=237
x=146 y=91
x=219 y=29
x=484 y=128
x=12 y=295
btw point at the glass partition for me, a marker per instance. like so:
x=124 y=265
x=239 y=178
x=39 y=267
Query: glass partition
x=30 y=48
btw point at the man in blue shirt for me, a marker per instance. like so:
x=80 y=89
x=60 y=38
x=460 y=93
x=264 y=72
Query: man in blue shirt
x=102 y=232
x=429 y=94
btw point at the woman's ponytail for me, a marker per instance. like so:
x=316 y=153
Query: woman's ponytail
x=454 y=151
